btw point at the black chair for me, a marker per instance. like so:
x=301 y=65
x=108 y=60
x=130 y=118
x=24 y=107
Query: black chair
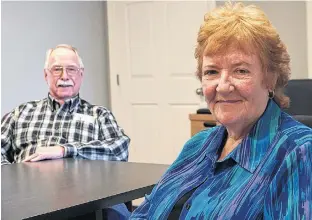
x=300 y=94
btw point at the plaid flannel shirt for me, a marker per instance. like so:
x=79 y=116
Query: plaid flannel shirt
x=84 y=130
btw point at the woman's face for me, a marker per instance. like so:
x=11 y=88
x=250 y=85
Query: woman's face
x=233 y=88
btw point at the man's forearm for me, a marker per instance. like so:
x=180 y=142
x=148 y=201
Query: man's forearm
x=4 y=161
x=113 y=149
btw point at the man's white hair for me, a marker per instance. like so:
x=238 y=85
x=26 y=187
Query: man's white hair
x=49 y=52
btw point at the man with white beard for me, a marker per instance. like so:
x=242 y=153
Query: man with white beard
x=62 y=125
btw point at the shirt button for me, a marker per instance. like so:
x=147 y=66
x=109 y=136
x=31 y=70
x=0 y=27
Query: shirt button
x=188 y=206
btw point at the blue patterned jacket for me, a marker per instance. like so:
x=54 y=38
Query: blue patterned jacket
x=267 y=176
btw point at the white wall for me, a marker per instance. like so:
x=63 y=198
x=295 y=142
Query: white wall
x=30 y=28
x=290 y=20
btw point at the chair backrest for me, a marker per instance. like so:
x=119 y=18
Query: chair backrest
x=300 y=94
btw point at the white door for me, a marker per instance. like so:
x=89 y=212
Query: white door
x=152 y=73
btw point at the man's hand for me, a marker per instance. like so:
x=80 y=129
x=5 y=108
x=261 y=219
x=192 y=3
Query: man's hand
x=44 y=153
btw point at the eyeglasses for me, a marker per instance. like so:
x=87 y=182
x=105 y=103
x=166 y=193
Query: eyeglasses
x=70 y=70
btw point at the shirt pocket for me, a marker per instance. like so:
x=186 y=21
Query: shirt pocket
x=83 y=129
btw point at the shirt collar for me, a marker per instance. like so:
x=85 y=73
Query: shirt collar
x=249 y=153
x=213 y=144
x=72 y=103
x=253 y=148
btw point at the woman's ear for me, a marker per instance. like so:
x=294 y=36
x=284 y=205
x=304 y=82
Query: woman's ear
x=270 y=81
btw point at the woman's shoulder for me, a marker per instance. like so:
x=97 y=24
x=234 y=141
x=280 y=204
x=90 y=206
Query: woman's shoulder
x=290 y=125
x=292 y=128
x=195 y=144
x=201 y=136
x=294 y=132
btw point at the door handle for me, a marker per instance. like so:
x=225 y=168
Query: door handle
x=199 y=91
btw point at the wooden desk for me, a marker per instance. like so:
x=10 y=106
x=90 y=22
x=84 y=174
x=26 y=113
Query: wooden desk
x=197 y=122
x=58 y=189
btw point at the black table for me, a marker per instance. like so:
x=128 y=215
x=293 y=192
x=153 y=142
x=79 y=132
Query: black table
x=58 y=189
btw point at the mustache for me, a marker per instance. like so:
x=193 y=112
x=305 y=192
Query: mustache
x=65 y=83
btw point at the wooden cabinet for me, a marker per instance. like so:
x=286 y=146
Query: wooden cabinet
x=198 y=120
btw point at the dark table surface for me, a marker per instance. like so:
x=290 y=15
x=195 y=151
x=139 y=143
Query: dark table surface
x=57 y=189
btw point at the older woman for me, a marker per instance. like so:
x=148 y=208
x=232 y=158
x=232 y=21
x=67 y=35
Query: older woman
x=258 y=164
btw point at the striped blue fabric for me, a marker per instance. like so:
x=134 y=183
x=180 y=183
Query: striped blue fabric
x=267 y=176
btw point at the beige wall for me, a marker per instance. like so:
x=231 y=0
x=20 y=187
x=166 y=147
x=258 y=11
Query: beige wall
x=290 y=20
x=309 y=40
